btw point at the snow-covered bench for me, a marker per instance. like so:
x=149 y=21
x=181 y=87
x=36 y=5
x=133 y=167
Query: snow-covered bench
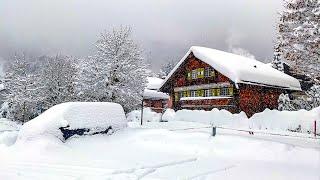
x=75 y=118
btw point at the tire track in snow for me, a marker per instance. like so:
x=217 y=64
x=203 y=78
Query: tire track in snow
x=211 y=172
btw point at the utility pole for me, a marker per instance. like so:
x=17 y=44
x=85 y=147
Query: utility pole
x=141 y=112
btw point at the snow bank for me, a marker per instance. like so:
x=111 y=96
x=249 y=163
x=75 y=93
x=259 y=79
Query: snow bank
x=75 y=115
x=215 y=117
x=286 y=120
x=168 y=115
x=299 y=121
x=8 y=125
x=148 y=115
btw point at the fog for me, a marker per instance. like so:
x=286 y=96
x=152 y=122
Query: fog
x=165 y=29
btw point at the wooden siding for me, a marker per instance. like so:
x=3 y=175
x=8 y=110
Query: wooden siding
x=248 y=98
x=156 y=105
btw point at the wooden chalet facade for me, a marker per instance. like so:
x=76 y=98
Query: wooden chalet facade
x=194 y=84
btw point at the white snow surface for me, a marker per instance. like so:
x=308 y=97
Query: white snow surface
x=168 y=115
x=151 y=91
x=163 y=151
x=154 y=83
x=240 y=69
x=153 y=94
x=148 y=115
x=78 y=115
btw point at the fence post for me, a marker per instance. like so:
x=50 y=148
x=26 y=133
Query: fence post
x=214 y=131
x=315 y=129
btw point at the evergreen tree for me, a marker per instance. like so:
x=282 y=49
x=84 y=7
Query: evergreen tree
x=166 y=68
x=277 y=63
x=299 y=40
x=117 y=73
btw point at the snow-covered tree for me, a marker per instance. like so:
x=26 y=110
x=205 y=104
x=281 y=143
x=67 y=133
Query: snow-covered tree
x=117 y=72
x=299 y=35
x=58 y=79
x=166 y=68
x=21 y=80
x=277 y=62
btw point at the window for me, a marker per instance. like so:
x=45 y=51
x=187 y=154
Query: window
x=181 y=94
x=193 y=93
x=207 y=93
x=194 y=74
x=207 y=72
x=225 y=91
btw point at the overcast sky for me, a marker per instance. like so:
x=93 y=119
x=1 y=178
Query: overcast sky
x=164 y=28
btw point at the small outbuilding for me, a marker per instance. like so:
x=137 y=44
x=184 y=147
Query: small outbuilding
x=207 y=78
x=152 y=98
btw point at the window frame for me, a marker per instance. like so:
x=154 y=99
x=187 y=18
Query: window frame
x=193 y=93
x=194 y=74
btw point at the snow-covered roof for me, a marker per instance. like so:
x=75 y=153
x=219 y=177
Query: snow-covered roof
x=153 y=94
x=240 y=69
x=154 y=83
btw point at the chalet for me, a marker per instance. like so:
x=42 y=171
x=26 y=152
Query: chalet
x=207 y=78
x=152 y=98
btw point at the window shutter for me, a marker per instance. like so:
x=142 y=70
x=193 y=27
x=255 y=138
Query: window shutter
x=218 y=91
x=189 y=75
x=214 y=92
x=231 y=91
x=188 y=93
x=200 y=72
x=212 y=73
x=176 y=96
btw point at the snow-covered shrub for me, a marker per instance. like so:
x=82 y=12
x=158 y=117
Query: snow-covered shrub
x=148 y=115
x=312 y=100
x=168 y=115
x=95 y=116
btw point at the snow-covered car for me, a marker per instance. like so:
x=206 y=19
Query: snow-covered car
x=75 y=118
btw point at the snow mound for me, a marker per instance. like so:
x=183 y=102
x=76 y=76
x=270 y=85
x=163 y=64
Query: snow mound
x=168 y=115
x=301 y=121
x=214 y=117
x=8 y=125
x=298 y=121
x=74 y=115
x=148 y=115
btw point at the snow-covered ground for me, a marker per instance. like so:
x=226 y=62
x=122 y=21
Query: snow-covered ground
x=168 y=150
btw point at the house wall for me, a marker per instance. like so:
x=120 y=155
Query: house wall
x=156 y=105
x=253 y=99
x=180 y=79
x=248 y=98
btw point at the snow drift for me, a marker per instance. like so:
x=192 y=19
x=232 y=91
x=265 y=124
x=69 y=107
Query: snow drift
x=95 y=116
x=148 y=115
x=274 y=120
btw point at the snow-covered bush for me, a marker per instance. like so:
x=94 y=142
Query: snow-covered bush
x=312 y=100
x=148 y=115
x=95 y=116
x=168 y=115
